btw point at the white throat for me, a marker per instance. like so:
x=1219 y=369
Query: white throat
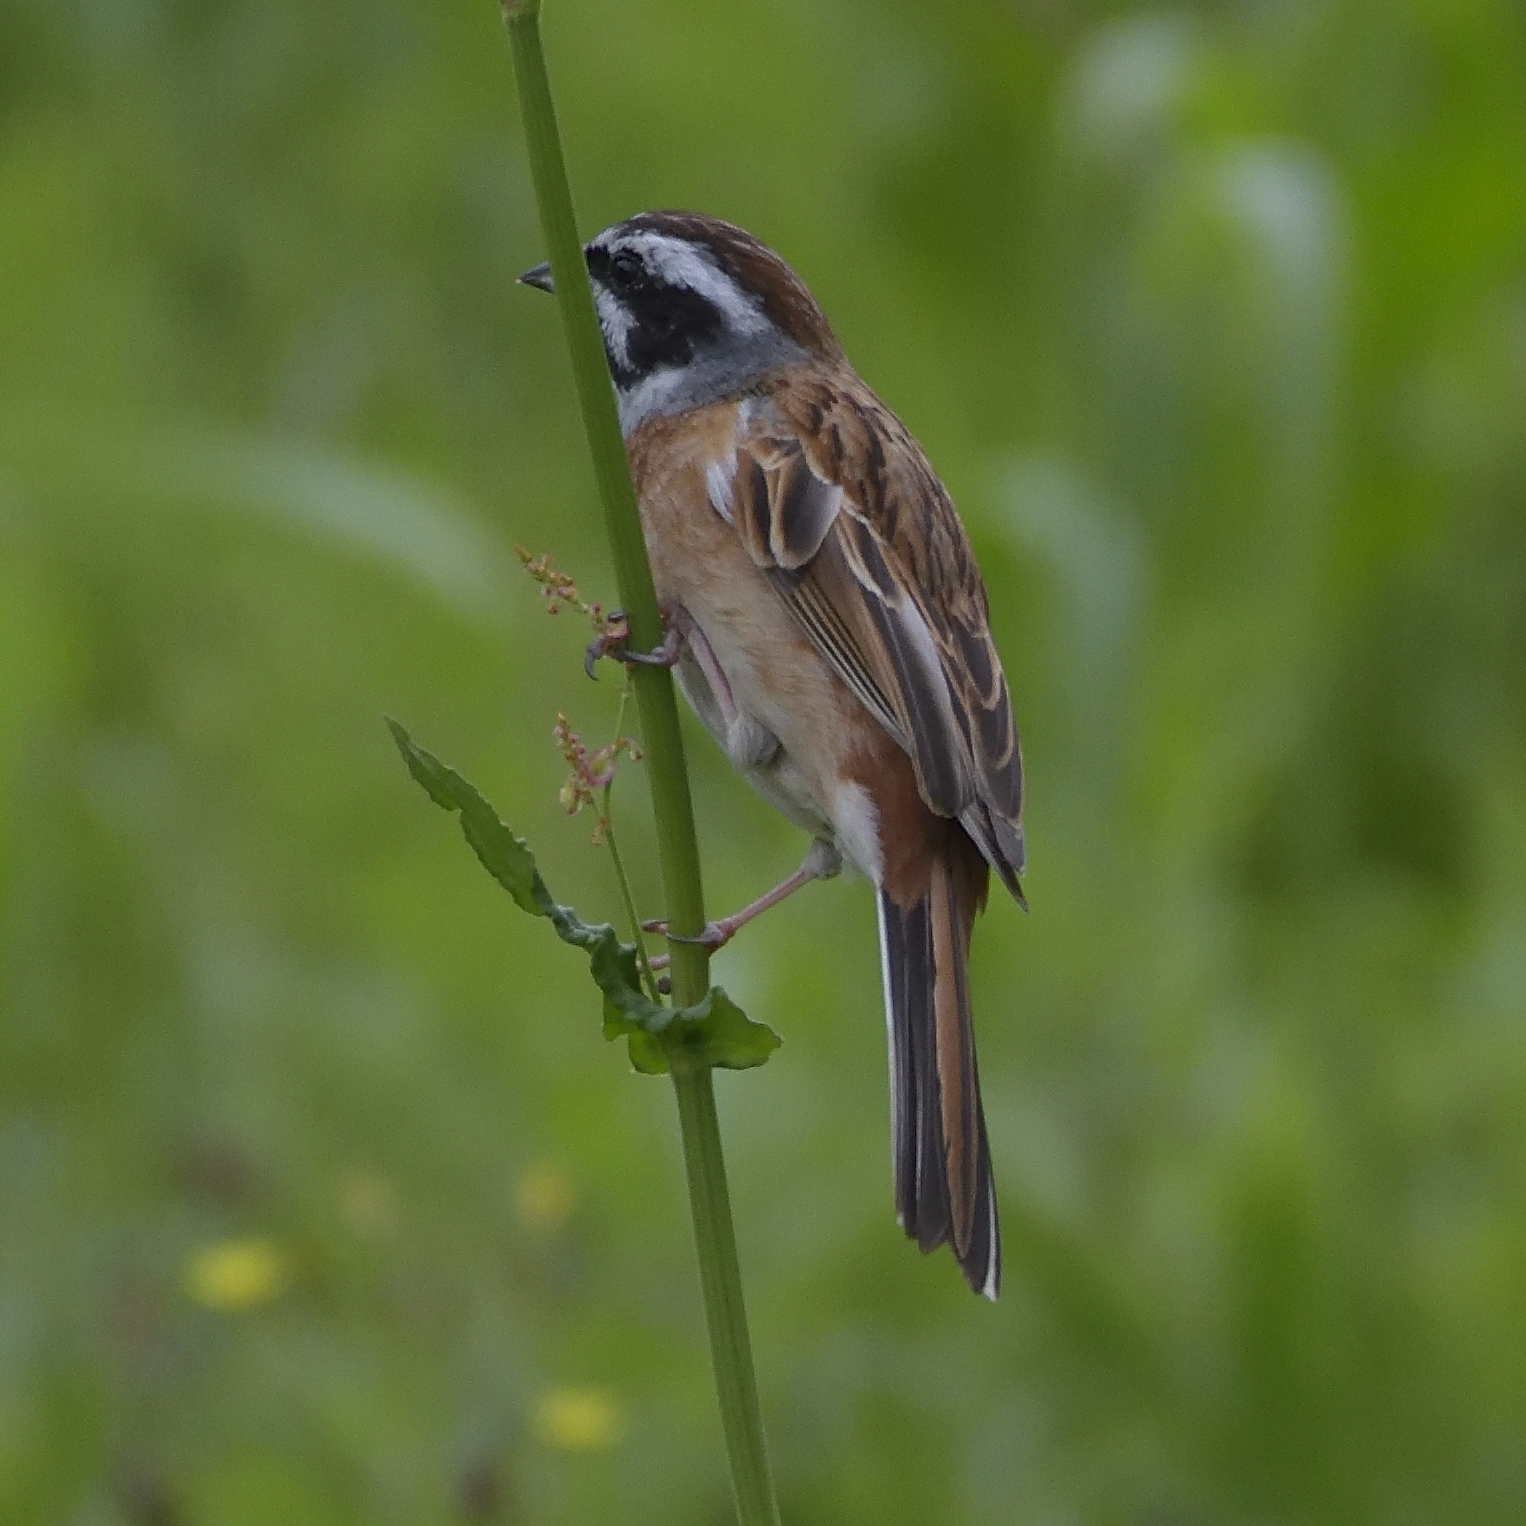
x=709 y=378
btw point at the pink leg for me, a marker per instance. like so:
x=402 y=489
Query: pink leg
x=709 y=665
x=678 y=632
x=820 y=863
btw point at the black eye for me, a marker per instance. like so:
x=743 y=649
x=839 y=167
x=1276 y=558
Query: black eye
x=624 y=266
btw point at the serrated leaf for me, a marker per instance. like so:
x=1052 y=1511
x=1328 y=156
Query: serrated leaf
x=716 y=1028
x=506 y=857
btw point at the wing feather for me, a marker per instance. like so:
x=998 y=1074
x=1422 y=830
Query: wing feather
x=836 y=503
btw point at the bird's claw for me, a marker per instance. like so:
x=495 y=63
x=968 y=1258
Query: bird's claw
x=711 y=936
x=611 y=643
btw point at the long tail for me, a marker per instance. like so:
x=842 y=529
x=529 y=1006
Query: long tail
x=944 y=1194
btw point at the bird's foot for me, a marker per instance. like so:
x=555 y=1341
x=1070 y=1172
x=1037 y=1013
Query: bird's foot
x=611 y=642
x=822 y=861
x=711 y=936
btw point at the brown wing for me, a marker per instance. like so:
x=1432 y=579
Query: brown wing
x=836 y=502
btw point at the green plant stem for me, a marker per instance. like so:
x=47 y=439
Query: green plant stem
x=714 y=1237
x=648 y=979
x=607 y=827
x=721 y=1283
x=671 y=807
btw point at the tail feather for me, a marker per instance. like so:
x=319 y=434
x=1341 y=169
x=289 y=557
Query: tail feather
x=943 y=1185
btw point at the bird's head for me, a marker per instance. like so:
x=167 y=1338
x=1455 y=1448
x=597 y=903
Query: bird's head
x=694 y=310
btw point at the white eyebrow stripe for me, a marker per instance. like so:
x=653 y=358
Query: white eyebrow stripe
x=680 y=263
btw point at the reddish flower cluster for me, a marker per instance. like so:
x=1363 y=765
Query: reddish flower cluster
x=557 y=588
x=590 y=772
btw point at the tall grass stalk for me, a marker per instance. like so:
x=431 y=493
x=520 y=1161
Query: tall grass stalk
x=709 y=1201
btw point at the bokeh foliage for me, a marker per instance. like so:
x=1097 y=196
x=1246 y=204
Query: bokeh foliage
x=322 y=1199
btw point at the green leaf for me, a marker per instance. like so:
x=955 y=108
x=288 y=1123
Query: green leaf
x=715 y=1029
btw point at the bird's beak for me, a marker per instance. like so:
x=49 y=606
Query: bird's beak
x=540 y=276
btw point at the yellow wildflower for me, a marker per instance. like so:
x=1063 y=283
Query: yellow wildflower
x=234 y=1275
x=578 y=1419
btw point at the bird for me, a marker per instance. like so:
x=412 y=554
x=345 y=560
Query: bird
x=828 y=624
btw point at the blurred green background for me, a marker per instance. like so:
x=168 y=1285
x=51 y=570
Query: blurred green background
x=321 y=1197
